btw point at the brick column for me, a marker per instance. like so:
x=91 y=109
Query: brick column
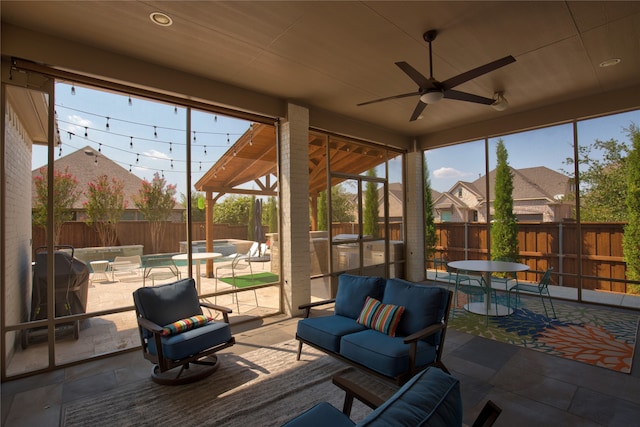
x=294 y=199
x=414 y=217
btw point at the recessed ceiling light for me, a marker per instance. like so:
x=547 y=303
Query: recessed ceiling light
x=161 y=19
x=610 y=62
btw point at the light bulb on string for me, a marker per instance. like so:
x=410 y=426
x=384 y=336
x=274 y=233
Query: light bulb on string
x=171 y=163
x=100 y=148
x=138 y=158
x=175 y=110
x=130 y=101
x=162 y=173
x=205 y=150
x=215 y=119
x=107 y=125
x=130 y=142
x=60 y=151
x=129 y=168
x=73 y=89
x=70 y=134
x=155 y=132
x=170 y=147
x=86 y=132
x=228 y=138
x=194 y=136
x=200 y=166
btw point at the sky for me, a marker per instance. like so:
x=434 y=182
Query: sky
x=148 y=137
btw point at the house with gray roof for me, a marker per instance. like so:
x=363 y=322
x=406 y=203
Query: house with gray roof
x=539 y=195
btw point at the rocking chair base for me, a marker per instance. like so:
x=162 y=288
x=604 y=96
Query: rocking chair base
x=188 y=373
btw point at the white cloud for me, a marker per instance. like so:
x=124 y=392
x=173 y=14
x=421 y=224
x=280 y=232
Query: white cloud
x=449 y=173
x=76 y=125
x=156 y=155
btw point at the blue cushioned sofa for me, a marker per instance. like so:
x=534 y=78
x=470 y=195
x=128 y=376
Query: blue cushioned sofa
x=419 y=337
x=431 y=398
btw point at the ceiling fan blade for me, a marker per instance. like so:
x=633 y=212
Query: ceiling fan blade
x=477 y=72
x=416 y=76
x=464 y=96
x=418 y=111
x=404 y=95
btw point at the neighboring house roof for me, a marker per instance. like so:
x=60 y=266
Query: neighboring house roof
x=82 y=165
x=537 y=182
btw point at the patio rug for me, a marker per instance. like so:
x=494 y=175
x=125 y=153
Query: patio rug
x=597 y=336
x=265 y=387
x=251 y=280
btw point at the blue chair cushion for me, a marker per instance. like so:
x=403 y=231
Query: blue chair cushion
x=382 y=353
x=424 y=306
x=193 y=341
x=353 y=292
x=321 y=415
x=165 y=304
x=431 y=398
x=326 y=331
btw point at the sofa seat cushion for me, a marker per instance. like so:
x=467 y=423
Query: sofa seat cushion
x=424 y=305
x=188 y=343
x=321 y=415
x=382 y=353
x=430 y=398
x=353 y=292
x=326 y=331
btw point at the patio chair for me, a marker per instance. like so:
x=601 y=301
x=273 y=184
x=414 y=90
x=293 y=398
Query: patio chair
x=159 y=268
x=480 y=290
x=240 y=262
x=541 y=288
x=176 y=336
x=505 y=278
x=126 y=265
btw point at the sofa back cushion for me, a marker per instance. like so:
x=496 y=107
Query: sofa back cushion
x=353 y=292
x=423 y=306
x=431 y=398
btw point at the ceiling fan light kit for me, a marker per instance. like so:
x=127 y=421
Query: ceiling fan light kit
x=500 y=103
x=431 y=90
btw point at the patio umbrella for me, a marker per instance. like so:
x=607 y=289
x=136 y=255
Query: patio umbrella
x=257 y=222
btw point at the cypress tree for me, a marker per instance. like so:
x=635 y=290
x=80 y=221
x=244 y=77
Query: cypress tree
x=430 y=235
x=504 y=228
x=371 y=227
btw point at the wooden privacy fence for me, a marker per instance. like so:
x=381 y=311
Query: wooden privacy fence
x=81 y=235
x=549 y=244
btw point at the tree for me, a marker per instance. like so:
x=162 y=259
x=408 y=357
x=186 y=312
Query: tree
x=104 y=207
x=631 y=238
x=430 y=235
x=371 y=226
x=233 y=210
x=251 y=224
x=65 y=194
x=504 y=228
x=322 y=211
x=272 y=215
x=155 y=201
x=603 y=185
x=341 y=205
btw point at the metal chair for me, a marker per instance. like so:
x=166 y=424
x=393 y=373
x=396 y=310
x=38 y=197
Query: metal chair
x=542 y=289
x=159 y=268
x=505 y=278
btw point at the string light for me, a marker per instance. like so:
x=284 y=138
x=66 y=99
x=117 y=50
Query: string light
x=70 y=133
x=205 y=150
x=194 y=136
x=138 y=158
x=171 y=163
x=73 y=89
x=129 y=168
x=60 y=151
x=200 y=166
x=162 y=174
x=130 y=142
x=170 y=147
x=100 y=148
x=215 y=119
x=227 y=138
x=130 y=101
x=107 y=126
x=86 y=133
x=175 y=110
x=155 y=132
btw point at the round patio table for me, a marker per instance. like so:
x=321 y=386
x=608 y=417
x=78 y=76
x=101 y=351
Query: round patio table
x=197 y=257
x=486 y=268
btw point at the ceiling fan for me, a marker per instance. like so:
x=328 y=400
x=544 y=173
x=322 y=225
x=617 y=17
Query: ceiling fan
x=432 y=90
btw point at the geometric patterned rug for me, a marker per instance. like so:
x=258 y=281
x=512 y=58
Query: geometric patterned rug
x=583 y=333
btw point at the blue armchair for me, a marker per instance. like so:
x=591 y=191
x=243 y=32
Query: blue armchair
x=176 y=336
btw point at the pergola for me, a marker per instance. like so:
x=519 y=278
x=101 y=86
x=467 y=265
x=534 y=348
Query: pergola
x=250 y=167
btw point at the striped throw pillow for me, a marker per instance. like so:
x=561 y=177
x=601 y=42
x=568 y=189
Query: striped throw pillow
x=380 y=317
x=183 y=325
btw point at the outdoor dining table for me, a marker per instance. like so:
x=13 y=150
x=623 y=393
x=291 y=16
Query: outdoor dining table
x=486 y=268
x=197 y=257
